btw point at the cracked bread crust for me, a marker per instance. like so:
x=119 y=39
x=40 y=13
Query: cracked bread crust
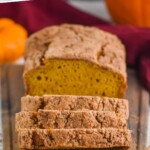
x=116 y=148
x=76 y=42
x=73 y=138
x=69 y=102
x=56 y=119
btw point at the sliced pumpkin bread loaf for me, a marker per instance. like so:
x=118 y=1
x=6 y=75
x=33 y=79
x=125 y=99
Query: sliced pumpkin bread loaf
x=65 y=121
x=75 y=60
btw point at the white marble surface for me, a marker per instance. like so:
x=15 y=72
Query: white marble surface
x=96 y=8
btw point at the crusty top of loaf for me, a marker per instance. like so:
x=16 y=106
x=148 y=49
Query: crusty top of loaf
x=75 y=42
x=74 y=102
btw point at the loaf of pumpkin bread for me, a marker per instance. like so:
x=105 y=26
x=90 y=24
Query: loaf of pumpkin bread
x=75 y=60
x=70 y=102
x=73 y=138
x=57 y=119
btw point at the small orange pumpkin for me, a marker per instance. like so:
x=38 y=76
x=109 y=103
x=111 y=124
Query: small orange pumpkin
x=12 y=40
x=135 y=12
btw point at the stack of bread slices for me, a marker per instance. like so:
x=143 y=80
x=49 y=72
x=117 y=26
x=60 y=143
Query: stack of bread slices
x=75 y=79
x=72 y=122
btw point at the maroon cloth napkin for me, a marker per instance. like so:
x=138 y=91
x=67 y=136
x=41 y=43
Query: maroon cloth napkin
x=37 y=14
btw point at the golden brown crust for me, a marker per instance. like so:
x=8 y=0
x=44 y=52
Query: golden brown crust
x=73 y=138
x=71 y=102
x=76 y=42
x=56 y=119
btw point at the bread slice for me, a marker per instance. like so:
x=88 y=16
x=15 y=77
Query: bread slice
x=116 y=148
x=75 y=60
x=69 y=119
x=66 y=102
x=73 y=138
